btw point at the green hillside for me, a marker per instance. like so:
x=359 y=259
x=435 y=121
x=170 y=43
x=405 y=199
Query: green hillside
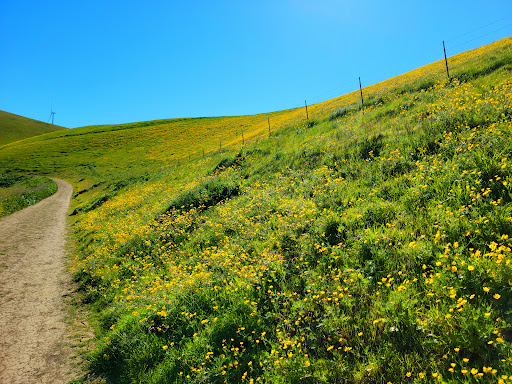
x=18 y=192
x=368 y=244
x=14 y=128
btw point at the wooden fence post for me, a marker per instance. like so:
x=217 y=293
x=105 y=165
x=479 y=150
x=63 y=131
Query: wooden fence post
x=446 y=62
x=361 y=90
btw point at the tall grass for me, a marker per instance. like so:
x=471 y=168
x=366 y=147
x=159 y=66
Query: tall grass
x=20 y=191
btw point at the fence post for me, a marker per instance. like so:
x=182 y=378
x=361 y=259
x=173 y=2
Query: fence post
x=361 y=90
x=446 y=62
x=306 y=103
x=268 y=119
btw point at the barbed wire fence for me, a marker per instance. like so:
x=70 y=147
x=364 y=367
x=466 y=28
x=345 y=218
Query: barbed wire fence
x=241 y=141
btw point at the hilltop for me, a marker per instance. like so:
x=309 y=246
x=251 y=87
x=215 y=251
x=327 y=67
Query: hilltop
x=367 y=244
x=94 y=154
x=14 y=128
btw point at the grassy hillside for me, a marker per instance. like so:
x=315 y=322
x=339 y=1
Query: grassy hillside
x=109 y=152
x=20 y=191
x=14 y=128
x=365 y=245
x=98 y=160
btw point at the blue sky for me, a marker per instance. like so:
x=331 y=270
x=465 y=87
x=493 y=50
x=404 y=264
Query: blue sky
x=108 y=62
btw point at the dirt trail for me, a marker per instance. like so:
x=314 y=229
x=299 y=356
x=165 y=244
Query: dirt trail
x=33 y=283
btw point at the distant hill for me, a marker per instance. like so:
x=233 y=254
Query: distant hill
x=14 y=127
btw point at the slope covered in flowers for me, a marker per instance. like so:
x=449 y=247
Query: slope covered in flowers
x=364 y=246
x=87 y=156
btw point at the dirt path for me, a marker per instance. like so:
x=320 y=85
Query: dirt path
x=33 y=283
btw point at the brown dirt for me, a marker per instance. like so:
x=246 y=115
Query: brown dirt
x=34 y=342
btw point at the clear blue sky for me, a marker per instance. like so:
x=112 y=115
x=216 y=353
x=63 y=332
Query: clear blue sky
x=102 y=62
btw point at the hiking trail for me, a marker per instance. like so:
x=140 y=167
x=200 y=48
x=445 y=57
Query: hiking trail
x=33 y=285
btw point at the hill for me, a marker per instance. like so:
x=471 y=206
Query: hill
x=14 y=128
x=368 y=244
x=18 y=192
x=90 y=155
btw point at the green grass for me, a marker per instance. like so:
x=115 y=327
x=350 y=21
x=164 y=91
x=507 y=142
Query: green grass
x=369 y=247
x=20 y=191
x=14 y=128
